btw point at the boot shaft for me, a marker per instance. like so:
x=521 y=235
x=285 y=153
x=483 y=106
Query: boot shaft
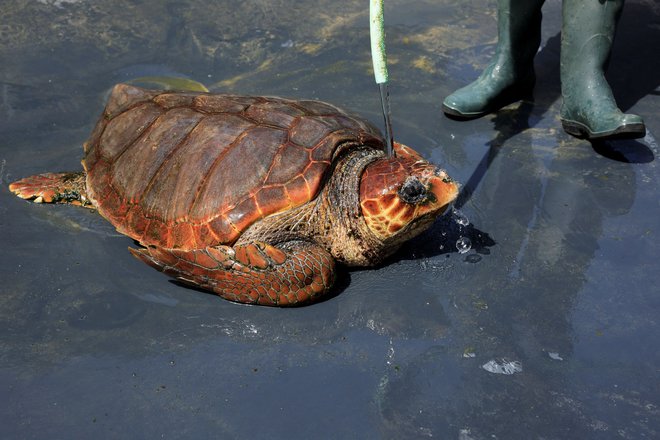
x=589 y=109
x=518 y=30
x=587 y=34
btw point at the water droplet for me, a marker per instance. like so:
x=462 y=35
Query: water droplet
x=463 y=245
x=460 y=218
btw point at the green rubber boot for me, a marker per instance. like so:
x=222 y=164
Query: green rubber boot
x=510 y=75
x=589 y=109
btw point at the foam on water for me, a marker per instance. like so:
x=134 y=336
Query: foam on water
x=502 y=366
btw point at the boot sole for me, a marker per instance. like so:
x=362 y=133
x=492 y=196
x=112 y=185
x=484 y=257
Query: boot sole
x=452 y=113
x=507 y=98
x=581 y=131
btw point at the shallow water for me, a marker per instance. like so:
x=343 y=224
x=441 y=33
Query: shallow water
x=546 y=327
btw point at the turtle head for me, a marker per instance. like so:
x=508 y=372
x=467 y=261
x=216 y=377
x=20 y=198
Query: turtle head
x=401 y=196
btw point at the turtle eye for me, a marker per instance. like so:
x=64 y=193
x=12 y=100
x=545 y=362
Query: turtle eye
x=412 y=191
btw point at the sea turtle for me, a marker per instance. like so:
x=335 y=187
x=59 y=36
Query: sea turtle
x=253 y=198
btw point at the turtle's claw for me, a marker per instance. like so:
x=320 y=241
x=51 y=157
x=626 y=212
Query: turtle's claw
x=37 y=188
x=52 y=188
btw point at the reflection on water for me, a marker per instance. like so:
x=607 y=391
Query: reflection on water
x=547 y=262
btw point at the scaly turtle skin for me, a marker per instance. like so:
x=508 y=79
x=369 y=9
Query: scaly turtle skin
x=253 y=198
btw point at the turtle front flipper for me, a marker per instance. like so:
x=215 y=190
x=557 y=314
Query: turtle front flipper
x=53 y=188
x=295 y=273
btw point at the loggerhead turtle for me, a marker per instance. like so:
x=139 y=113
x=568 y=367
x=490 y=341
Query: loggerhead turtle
x=253 y=198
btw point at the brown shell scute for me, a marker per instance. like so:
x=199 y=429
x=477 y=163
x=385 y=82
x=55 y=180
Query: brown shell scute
x=276 y=113
x=123 y=97
x=186 y=170
x=237 y=175
x=151 y=152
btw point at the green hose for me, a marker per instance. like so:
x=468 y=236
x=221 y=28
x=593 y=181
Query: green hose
x=379 y=59
x=377 y=32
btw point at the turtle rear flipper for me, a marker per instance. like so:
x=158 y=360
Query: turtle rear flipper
x=53 y=188
x=291 y=274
